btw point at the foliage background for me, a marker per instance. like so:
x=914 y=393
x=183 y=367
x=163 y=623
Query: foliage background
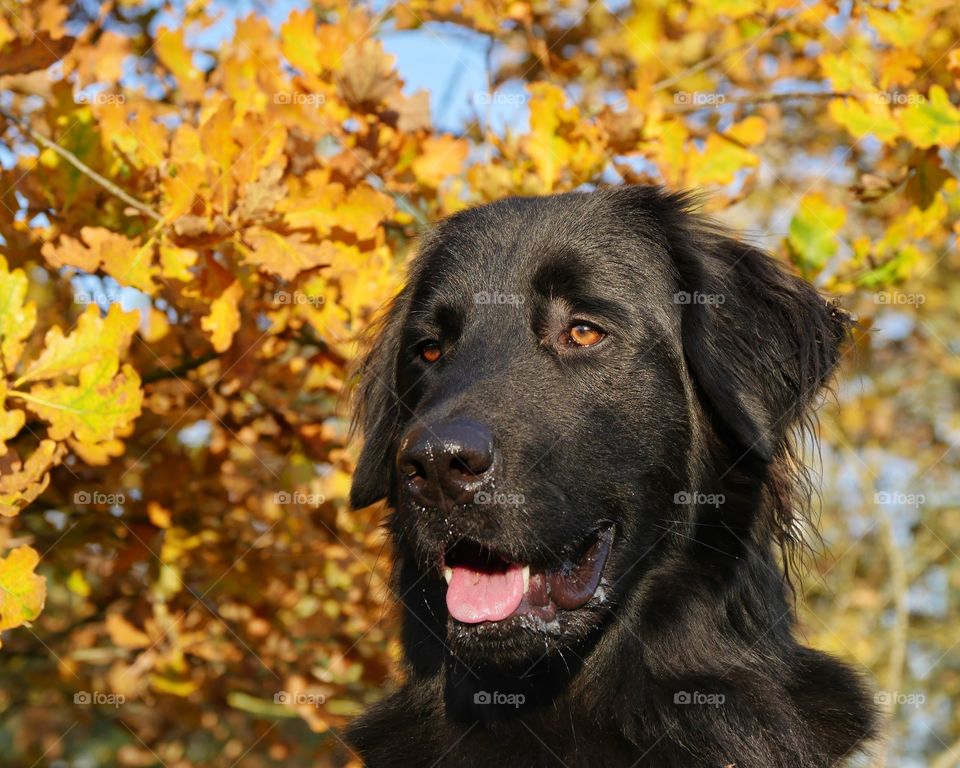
x=202 y=204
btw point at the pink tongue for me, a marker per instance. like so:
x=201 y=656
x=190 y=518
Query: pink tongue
x=475 y=596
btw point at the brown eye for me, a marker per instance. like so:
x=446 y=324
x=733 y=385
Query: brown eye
x=430 y=351
x=585 y=335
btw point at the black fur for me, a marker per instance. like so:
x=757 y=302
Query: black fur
x=705 y=396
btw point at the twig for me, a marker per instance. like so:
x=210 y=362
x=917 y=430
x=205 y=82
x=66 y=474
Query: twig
x=708 y=62
x=81 y=166
x=159 y=374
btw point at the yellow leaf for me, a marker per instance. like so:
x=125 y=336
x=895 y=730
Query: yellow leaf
x=813 y=232
x=719 y=162
x=159 y=515
x=734 y=9
x=216 y=138
x=224 y=318
x=299 y=42
x=363 y=210
x=124 y=634
x=17 y=316
x=846 y=72
x=871 y=116
x=96 y=454
x=175 y=262
x=933 y=120
x=11 y=421
x=284 y=256
x=77 y=584
x=900 y=28
x=548 y=151
x=93 y=339
x=22 y=592
x=6 y=32
x=440 y=158
x=121 y=258
x=101 y=404
x=749 y=131
x=898 y=67
x=21 y=483
x=174 y=55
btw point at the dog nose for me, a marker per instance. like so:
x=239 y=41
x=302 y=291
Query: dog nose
x=445 y=461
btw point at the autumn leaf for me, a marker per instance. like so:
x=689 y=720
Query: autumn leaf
x=17 y=316
x=93 y=339
x=441 y=157
x=22 y=592
x=103 y=402
x=128 y=262
x=931 y=120
x=719 y=162
x=224 y=317
x=22 y=482
x=172 y=51
x=284 y=256
x=813 y=233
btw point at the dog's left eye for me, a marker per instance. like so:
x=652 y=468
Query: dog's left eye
x=584 y=335
x=430 y=351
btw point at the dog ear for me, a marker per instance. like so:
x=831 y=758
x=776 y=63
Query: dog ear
x=376 y=412
x=760 y=342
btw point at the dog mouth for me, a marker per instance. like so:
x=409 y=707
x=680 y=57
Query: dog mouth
x=483 y=586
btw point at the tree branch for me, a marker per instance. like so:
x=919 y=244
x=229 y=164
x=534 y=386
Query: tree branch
x=81 y=166
x=708 y=62
x=159 y=374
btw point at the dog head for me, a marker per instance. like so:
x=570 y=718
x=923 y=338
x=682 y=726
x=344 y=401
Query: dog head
x=545 y=401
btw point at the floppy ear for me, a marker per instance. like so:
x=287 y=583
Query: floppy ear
x=376 y=413
x=760 y=342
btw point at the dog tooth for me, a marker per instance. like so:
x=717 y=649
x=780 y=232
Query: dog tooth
x=448 y=574
x=526 y=579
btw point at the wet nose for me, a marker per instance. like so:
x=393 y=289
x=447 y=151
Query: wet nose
x=445 y=461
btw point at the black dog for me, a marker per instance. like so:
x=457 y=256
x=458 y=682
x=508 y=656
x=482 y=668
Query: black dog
x=582 y=411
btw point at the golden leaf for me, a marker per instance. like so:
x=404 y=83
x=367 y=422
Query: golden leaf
x=102 y=403
x=21 y=483
x=93 y=339
x=22 y=592
x=440 y=158
x=286 y=256
x=17 y=316
x=224 y=317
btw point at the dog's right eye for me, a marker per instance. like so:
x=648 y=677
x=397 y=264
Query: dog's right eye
x=430 y=351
